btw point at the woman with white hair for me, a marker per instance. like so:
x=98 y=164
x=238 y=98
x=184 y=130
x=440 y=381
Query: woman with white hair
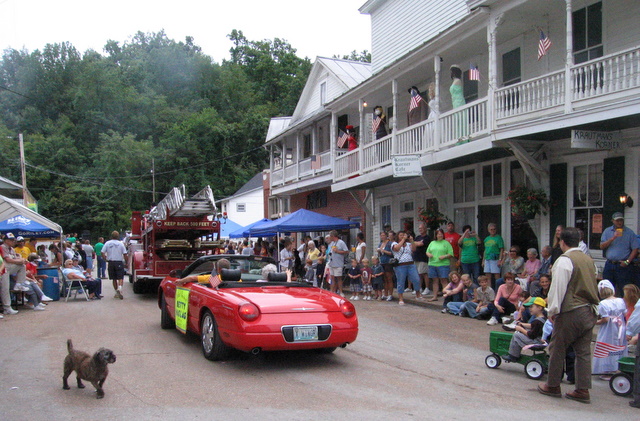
x=312 y=252
x=531 y=267
x=611 y=343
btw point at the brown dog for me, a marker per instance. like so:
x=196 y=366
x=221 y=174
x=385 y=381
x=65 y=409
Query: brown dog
x=93 y=369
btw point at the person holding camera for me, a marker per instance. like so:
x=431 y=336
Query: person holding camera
x=469 y=256
x=405 y=268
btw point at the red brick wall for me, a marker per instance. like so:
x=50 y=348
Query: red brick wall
x=339 y=204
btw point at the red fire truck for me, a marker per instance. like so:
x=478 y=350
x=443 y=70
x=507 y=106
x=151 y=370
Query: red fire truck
x=171 y=235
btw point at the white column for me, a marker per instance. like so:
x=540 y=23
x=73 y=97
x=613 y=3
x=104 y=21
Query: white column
x=314 y=140
x=436 y=123
x=362 y=137
x=492 y=70
x=297 y=156
x=333 y=138
x=569 y=59
x=394 y=122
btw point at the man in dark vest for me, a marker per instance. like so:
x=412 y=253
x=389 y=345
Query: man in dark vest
x=572 y=304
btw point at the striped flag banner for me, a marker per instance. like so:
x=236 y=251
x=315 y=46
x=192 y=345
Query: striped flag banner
x=376 y=124
x=214 y=279
x=604 y=350
x=543 y=45
x=415 y=100
x=316 y=162
x=342 y=139
x=474 y=73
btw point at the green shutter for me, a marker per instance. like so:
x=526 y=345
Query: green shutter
x=613 y=178
x=558 y=196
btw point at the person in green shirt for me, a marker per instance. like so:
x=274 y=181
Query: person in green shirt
x=439 y=253
x=493 y=253
x=469 y=256
x=102 y=265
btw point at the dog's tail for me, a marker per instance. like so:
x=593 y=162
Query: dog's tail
x=69 y=346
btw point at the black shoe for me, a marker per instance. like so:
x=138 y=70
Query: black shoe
x=510 y=358
x=634 y=404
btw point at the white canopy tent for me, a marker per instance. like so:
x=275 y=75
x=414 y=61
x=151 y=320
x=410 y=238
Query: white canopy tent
x=10 y=208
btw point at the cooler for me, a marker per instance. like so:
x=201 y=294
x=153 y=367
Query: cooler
x=51 y=285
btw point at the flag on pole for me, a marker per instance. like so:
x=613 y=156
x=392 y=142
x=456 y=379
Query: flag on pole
x=342 y=139
x=214 y=278
x=415 y=99
x=376 y=124
x=543 y=45
x=316 y=162
x=474 y=73
x=604 y=350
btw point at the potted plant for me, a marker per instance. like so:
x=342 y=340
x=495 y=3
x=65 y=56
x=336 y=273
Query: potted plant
x=528 y=202
x=432 y=217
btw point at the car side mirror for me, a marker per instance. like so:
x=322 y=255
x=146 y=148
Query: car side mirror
x=176 y=273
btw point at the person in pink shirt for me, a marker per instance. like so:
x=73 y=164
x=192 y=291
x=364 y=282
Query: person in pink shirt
x=531 y=267
x=506 y=299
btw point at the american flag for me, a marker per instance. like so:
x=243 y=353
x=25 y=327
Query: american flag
x=214 y=279
x=316 y=162
x=543 y=45
x=604 y=350
x=415 y=100
x=376 y=124
x=342 y=139
x=474 y=73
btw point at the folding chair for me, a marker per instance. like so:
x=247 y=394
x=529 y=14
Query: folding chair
x=74 y=285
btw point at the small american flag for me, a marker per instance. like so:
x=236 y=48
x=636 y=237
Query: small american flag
x=604 y=350
x=376 y=124
x=316 y=162
x=342 y=139
x=543 y=45
x=474 y=73
x=214 y=279
x=415 y=100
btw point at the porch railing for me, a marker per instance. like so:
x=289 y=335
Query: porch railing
x=532 y=95
x=613 y=73
x=463 y=123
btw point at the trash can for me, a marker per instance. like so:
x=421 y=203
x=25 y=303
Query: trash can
x=51 y=285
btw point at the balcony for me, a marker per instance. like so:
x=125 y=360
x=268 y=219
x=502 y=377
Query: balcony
x=610 y=79
x=293 y=173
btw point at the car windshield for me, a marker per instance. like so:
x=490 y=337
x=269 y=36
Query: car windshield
x=250 y=268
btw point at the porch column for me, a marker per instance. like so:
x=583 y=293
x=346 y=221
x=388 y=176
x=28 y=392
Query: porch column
x=314 y=147
x=363 y=136
x=297 y=156
x=394 y=122
x=333 y=138
x=436 y=123
x=568 y=88
x=493 y=69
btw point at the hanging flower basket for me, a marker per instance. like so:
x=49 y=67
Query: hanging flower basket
x=432 y=217
x=528 y=202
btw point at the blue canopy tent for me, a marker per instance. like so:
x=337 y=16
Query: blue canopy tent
x=228 y=227
x=302 y=220
x=244 y=231
x=24 y=222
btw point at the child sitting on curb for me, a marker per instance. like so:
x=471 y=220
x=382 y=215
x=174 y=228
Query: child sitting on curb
x=468 y=292
x=527 y=334
x=478 y=308
x=453 y=290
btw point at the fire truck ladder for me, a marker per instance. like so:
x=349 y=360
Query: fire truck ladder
x=177 y=204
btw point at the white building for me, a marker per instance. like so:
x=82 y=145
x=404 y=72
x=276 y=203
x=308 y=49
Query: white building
x=247 y=204
x=516 y=126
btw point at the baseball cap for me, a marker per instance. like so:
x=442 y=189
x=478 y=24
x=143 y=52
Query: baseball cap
x=537 y=301
x=20 y=238
x=10 y=236
x=617 y=215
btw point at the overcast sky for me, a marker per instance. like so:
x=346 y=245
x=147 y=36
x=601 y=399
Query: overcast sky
x=314 y=28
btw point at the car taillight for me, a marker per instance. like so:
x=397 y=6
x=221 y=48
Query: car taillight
x=248 y=312
x=347 y=309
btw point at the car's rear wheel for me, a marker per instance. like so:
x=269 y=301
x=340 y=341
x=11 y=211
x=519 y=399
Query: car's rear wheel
x=166 y=322
x=212 y=346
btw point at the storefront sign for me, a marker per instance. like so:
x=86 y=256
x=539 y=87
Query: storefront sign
x=406 y=166
x=589 y=139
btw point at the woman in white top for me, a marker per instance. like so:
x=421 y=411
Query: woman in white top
x=286 y=256
x=406 y=269
x=361 y=248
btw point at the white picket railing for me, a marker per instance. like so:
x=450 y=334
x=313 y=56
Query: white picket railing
x=416 y=138
x=532 y=95
x=463 y=123
x=613 y=73
x=346 y=164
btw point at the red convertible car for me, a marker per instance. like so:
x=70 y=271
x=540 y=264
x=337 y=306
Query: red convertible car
x=251 y=314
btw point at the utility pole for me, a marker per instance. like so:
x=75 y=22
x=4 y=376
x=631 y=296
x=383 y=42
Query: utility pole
x=23 y=170
x=153 y=177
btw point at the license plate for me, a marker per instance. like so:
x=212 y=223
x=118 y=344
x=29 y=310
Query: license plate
x=305 y=333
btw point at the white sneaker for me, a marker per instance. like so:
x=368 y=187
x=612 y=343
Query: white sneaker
x=389 y=298
x=10 y=311
x=46 y=299
x=413 y=292
x=356 y=298
x=351 y=298
x=1 y=316
x=492 y=321
x=426 y=291
x=38 y=308
x=20 y=287
x=384 y=297
x=507 y=320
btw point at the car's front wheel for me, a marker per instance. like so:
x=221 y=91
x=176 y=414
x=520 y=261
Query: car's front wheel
x=166 y=322
x=212 y=346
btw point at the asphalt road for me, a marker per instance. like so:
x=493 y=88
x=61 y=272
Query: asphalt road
x=408 y=363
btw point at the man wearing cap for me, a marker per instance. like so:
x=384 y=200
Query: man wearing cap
x=14 y=265
x=572 y=306
x=21 y=248
x=620 y=246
